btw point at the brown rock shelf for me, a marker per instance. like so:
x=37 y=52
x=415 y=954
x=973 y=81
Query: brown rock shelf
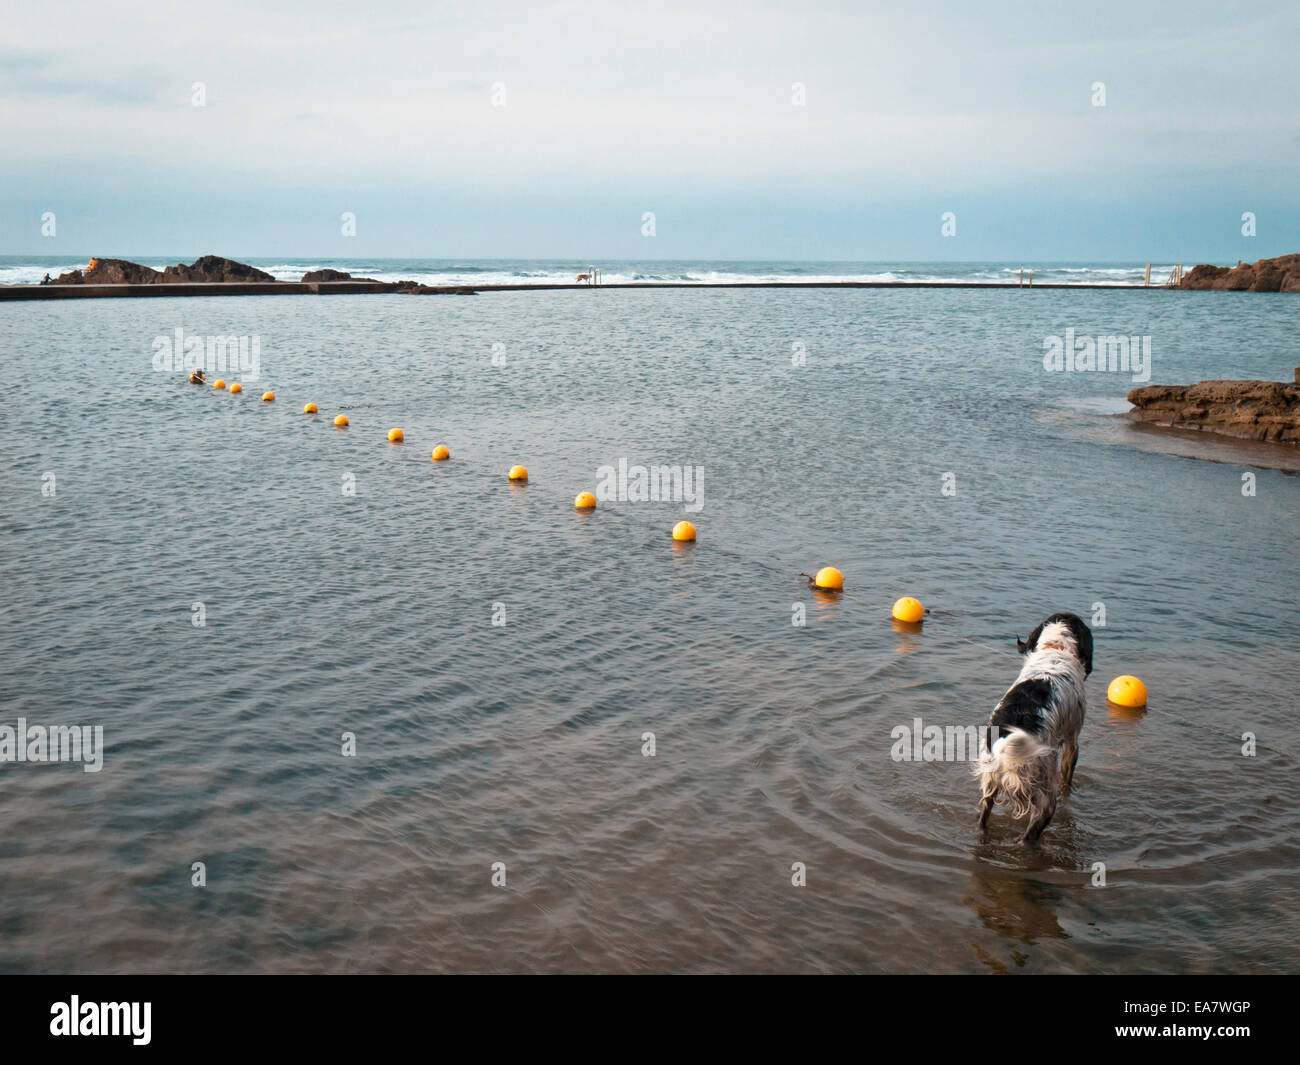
x=1249 y=410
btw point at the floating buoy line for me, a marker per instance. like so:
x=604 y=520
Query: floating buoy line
x=907 y=612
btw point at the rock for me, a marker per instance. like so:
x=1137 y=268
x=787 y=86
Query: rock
x=110 y=272
x=326 y=274
x=418 y=288
x=1250 y=410
x=122 y=272
x=1266 y=275
x=213 y=268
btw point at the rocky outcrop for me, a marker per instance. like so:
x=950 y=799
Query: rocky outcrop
x=326 y=274
x=417 y=288
x=1250 y=410
x=213 y=268
x=1267 y=275
x=110 y=272
x=209 y=268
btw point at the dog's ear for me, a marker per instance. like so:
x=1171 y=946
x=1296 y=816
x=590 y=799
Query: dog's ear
x=1083 y=637
x=1030 y=644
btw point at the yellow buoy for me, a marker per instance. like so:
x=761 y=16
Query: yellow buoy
x=311 y=408
x=518 y=473
x=396 y=436
x=829 y=579
x=684 y=531
x=909 y=609
x=584 y=501
x=268 y=397
x=236 y=387
x=1127 y=691
x=441 y=454
x=218 y=383
x=341 y=421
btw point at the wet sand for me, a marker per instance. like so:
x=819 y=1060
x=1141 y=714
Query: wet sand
x=1102 y=425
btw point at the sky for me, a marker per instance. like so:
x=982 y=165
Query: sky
x=768 y=131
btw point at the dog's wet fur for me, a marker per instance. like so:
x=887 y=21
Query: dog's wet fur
x=1030 y=764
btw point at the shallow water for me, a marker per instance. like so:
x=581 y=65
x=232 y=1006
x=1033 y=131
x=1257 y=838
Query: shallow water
x=522 y=743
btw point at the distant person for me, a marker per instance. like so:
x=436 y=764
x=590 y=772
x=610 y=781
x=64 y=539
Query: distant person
x=45 y=280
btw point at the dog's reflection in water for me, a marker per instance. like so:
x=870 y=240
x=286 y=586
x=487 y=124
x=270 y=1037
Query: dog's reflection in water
x=1018 y=906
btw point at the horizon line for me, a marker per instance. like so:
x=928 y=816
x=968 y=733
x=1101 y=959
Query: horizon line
x=594 y=259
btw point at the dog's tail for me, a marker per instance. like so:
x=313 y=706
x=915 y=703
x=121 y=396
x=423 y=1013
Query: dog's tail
x=1019 y=765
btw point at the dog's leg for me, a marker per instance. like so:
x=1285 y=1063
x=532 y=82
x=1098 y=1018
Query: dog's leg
x=1040 y=822
x=989 y=797
x=1069 y=759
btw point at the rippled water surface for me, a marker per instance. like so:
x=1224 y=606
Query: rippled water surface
x=522 y=743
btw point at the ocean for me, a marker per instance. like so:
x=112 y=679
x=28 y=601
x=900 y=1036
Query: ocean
x=30 y=269
x=364 y=712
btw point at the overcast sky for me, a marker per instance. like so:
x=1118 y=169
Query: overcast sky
x=685 y=110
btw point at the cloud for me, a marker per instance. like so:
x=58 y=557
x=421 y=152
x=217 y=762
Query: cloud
x=659 y=103
x=34 y=76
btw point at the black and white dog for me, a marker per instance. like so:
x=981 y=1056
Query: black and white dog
x=1031 y=761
